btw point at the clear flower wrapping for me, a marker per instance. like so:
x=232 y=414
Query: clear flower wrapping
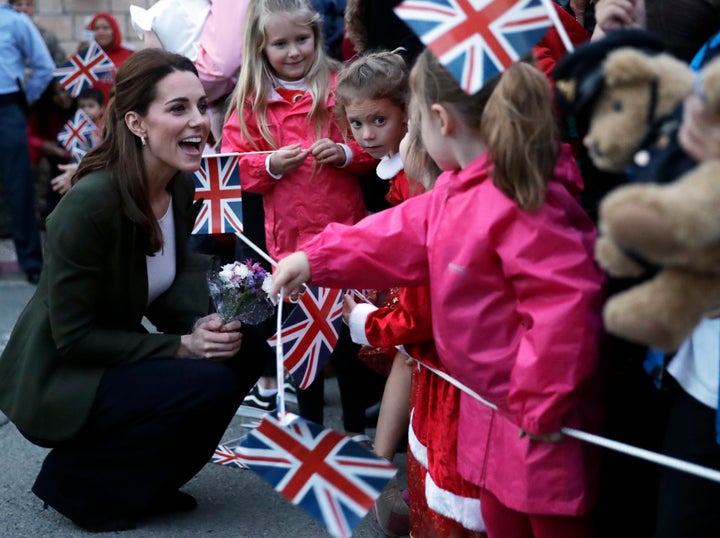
x=239 y=290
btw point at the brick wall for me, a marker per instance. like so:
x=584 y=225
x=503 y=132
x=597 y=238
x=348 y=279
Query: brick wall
x=68 y=18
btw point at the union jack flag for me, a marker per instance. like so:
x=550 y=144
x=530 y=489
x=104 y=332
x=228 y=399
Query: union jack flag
x=309 y=333
x=226 y=455
x=320 y=470
x=77 y=132
x=476 y=39
x=85 y=69
x=217 y=183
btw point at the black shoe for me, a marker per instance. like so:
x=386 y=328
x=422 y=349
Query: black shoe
x=33 y=277
x=174 y=502
x=255 y=405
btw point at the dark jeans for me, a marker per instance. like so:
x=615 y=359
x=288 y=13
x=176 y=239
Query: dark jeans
x=19 y=189
x=688 y=505
x=154 y=424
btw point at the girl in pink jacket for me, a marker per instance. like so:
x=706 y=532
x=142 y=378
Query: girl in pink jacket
x=515 y=294
x=280 y=116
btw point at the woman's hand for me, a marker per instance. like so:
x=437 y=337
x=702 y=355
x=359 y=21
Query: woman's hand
x=287 y=159
x=349 y=305
x=325 y=151
x=211 y=339
x=290 y=273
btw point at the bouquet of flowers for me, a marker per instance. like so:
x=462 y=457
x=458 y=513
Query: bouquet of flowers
x=240 y=291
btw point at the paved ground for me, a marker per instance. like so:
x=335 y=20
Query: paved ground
x=232 y=503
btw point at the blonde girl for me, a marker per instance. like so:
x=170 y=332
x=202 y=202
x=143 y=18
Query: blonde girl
x=282 y=109
x=295 y=156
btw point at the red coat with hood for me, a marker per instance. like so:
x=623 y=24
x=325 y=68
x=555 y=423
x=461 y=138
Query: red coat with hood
x=116 y=51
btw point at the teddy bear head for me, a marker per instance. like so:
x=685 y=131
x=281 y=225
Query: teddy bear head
x=638 y=90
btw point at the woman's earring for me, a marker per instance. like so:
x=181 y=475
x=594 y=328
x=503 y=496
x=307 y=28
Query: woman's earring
x=143 y=140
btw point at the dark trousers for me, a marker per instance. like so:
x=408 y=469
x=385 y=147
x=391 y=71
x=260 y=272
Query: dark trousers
x=154 y=424
x=688 y=505
x=359 y=386
x=19 y=189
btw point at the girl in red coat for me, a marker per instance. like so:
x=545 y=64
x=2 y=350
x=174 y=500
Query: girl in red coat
x=372 y=97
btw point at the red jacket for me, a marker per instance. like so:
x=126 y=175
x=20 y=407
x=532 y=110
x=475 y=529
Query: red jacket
x=299 y=204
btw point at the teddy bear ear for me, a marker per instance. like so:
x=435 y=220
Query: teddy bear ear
x=579 y=76
x=628 y=66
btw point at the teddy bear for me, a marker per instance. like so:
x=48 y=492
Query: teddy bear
x=663 y=224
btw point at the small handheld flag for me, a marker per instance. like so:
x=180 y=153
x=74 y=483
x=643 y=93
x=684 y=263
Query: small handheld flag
x=310 y=333
x=77 y=132
x=476 y=39
x=318 y=469
x=85 y=69
x=217 y=183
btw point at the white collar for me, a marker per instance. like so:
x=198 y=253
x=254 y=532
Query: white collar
x=389 y=167
x=286 y=84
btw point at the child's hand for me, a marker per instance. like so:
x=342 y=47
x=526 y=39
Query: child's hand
x=326 y=151
x=61 y=184
x=554 y=437
x=287 y=159
x=289 y=274
x=349 y=305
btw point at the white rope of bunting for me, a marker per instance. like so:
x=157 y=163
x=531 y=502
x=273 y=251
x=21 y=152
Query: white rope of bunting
x=648 y=455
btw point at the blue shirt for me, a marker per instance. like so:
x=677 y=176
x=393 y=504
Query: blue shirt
x=21 y=44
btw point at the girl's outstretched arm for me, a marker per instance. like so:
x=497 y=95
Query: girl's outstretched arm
x=290 y=273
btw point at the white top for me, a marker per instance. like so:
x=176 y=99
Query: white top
x=696 y=365
x=389 y=167
x=161 y=266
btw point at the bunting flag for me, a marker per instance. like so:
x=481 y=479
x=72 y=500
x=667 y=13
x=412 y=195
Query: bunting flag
x=77 y=132
x=309 y=333
x=85 y=69
x=226 y=455
x=476 y=39
x=217 y=184
x=323 y=472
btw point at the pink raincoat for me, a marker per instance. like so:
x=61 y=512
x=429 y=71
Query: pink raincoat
x=299 y=204
x=516 y=300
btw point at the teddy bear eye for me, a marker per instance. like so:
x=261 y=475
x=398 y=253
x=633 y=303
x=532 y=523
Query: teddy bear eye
x=617 y=106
